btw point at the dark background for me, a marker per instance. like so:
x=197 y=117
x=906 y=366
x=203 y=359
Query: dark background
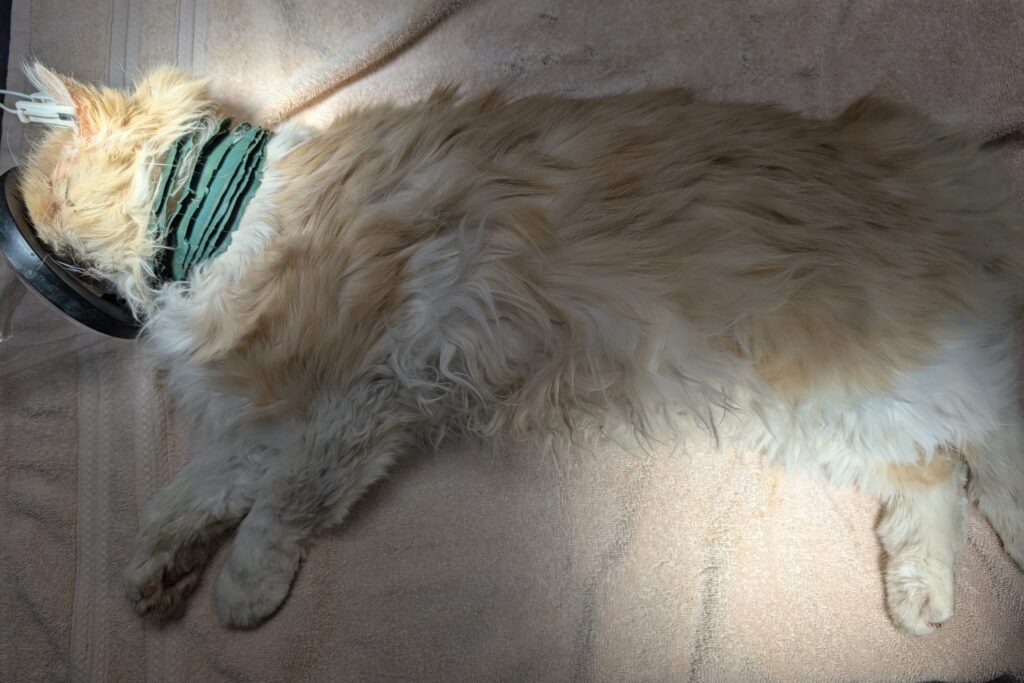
x=5 y=43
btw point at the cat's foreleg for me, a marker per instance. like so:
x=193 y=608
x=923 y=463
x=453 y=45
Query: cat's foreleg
x=182 y=524
x=326 y=462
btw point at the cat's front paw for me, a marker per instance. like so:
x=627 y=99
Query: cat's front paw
x=159 y=582
x=255 y=581
x=920 y=595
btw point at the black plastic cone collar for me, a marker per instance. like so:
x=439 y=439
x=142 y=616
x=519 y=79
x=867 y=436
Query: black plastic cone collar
x=75 y=296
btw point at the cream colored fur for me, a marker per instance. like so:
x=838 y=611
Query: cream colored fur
x=838 y=294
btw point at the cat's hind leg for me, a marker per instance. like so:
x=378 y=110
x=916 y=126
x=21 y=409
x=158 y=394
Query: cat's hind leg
x=996 y=481
x=923 y=530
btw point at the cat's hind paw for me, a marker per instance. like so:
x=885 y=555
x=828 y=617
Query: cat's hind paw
x=920 y=595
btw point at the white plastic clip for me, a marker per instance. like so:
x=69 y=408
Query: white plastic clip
x=40 y=108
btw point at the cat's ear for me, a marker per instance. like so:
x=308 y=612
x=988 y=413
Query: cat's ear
x=50 y=83
x=166 y=89
x=65 y=91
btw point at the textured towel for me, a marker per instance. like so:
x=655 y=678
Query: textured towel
x=465 y=566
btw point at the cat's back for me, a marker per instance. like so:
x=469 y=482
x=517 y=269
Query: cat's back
x=666 y=167
x=853 y=236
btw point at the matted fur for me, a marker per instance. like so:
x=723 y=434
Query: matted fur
x=838 y=294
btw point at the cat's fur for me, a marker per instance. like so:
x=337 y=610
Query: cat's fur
x=840 y=294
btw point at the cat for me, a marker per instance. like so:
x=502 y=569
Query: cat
x=838 y=294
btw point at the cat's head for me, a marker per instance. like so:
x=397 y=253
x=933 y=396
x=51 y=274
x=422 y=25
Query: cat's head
x=89 y=190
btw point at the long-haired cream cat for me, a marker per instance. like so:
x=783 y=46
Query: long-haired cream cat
x=839 y=294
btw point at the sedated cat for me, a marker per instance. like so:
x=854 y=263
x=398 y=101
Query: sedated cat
x=840 y=294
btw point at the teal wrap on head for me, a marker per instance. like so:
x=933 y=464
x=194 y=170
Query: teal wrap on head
x=202 y=195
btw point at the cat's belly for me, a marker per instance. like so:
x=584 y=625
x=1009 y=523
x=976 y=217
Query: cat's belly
x=949 y=402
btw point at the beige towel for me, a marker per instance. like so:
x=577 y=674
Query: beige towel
x=465 y=566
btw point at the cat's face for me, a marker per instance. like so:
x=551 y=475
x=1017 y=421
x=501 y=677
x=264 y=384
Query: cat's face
x=89 y=190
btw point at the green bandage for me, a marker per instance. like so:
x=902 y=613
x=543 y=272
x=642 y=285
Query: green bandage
x=201 y=196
